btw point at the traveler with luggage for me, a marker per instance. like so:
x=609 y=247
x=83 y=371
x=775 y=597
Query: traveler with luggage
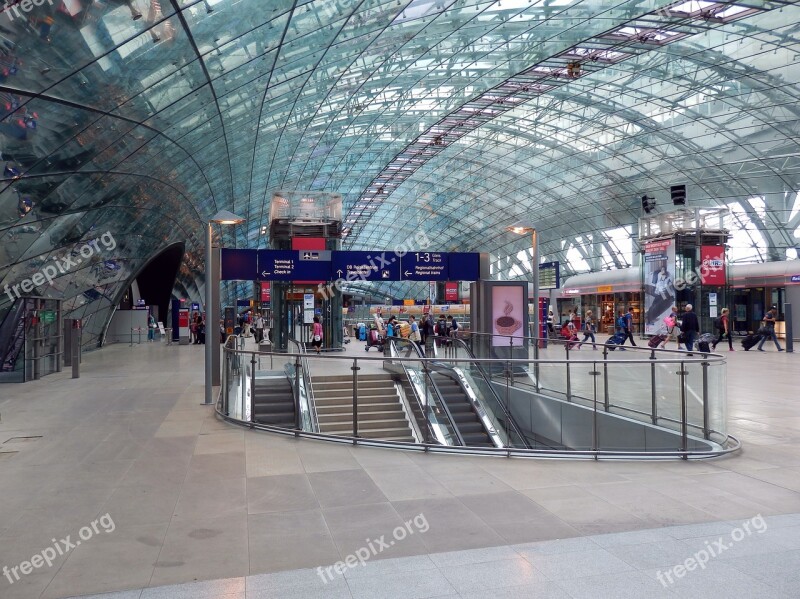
x=768 y=330
x=690 y=327
x=625 y=325
x=671 y=321
x=724 y=327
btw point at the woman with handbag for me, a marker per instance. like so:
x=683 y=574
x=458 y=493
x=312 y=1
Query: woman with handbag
x=316 y=334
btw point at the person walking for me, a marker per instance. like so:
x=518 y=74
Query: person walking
x=589 y=328
x=258 y=323
x=724 y=328
x=625 y=325
x=767 y=330
x=690 y=326
x=550 y=320
x=671 y=321
x=316 y=335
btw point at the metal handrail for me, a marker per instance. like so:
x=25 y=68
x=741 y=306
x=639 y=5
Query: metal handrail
x=726 y=445
x=437 y=393
x=306 y=374
x=509 y=418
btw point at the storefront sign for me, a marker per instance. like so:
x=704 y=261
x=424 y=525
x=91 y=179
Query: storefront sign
x=605 y=289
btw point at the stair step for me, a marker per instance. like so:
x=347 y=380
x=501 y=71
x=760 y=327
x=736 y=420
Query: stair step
x=370 y=407
x=362 y=418
x=348 y=377
x=362 y=399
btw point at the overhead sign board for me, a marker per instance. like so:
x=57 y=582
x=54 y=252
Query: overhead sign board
x=239 y=265
x=424 y=266
x=293 y=265
x=464 y=266
x=795 y=278
x=326 y=265
x=549 y=275
x=366 y=266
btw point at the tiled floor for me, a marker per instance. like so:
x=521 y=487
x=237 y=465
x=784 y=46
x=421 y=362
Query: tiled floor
x=236 y=513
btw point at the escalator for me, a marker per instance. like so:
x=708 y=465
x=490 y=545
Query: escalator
x=446 y=398
x=273 y=400
x=462 y=410
x=12 y=336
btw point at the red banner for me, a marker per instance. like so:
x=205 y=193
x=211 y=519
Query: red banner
x=712 y=264
x=451 y=292
x=265 y=292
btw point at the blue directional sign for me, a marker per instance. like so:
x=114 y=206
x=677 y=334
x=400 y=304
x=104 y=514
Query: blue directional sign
x=464 y=266
x=238 y=265
x=325 y=265
x=365 y=266
x=424 y=266
x=294 y=265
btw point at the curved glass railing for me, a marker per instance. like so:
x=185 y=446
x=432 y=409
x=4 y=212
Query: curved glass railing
x=567 y=402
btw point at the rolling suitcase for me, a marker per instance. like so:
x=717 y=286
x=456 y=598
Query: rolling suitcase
x=703 y=347
x=750 y=341
x=656 y=340
x=615 y=340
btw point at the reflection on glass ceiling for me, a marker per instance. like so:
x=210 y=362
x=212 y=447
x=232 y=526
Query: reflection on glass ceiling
x=456 y=117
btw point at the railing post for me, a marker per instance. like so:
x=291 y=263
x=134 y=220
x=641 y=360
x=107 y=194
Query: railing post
x=355 y=370
x=297 y=419
x=252 y=387
x=569 y=381
x=224 y=384
x=653 y=399
x=684 y=432
x=595 y=441
x=605 y=378
x=509 y=380
x=706 y=429
x=426 y=405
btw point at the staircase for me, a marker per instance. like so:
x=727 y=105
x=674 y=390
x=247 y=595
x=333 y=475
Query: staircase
x=464 y=416
x=380 y=415
x=274 y=402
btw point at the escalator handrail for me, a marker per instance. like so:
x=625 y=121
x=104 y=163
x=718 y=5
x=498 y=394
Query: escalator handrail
x=509 y=418
x=438 y=397
x=305 y=372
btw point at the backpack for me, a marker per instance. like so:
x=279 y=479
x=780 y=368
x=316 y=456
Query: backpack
x=454 y=325
x=390 y=330
x=441 y=328
x=622 y=323
x=718 y=324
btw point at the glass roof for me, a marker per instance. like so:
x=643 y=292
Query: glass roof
x=456 y=117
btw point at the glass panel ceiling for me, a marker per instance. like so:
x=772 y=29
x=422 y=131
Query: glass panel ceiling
x=456 y=117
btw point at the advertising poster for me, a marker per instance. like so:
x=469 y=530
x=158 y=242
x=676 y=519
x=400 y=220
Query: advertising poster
x=712 y=264
x=508 y=306
x=451 y=292
x=659 y=288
